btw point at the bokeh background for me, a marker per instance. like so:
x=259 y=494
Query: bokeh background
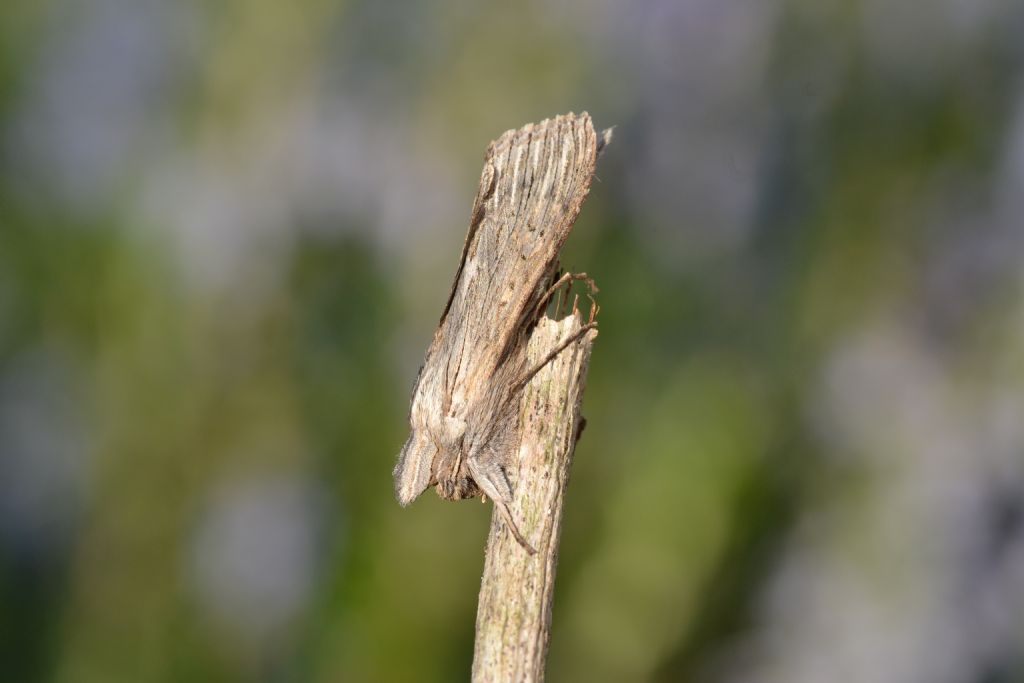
x=227 y=231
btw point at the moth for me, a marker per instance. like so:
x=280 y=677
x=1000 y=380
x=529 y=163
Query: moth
x=464 y=415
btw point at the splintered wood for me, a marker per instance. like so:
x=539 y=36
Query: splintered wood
x=513 y=618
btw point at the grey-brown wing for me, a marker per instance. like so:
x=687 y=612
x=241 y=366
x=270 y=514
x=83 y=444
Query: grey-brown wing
x=536 y=180
x=533 y=184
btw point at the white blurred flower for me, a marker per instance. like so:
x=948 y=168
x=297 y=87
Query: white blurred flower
x=43 y=451
x=254 y=555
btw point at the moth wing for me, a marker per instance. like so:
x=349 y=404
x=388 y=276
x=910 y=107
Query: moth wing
x=414 y=469
x=534 y=183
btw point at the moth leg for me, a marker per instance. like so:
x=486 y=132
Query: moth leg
x=527 y=376
x=566 y=277
x=491 y=480
x=594 y=309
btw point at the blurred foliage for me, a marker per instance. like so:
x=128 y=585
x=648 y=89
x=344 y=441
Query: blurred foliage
x=226 y=232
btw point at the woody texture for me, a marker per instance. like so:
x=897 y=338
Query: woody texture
x=496 y=406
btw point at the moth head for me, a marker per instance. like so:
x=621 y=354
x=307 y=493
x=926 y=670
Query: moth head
x=452 y=431
x=413 y=471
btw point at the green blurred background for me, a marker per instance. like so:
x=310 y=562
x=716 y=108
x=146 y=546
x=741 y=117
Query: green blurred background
x=227 y=231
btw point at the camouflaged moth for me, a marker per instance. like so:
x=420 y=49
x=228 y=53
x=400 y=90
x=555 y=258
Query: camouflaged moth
x=464 y=415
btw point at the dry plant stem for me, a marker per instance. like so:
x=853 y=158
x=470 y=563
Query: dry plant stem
x=514 y=611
